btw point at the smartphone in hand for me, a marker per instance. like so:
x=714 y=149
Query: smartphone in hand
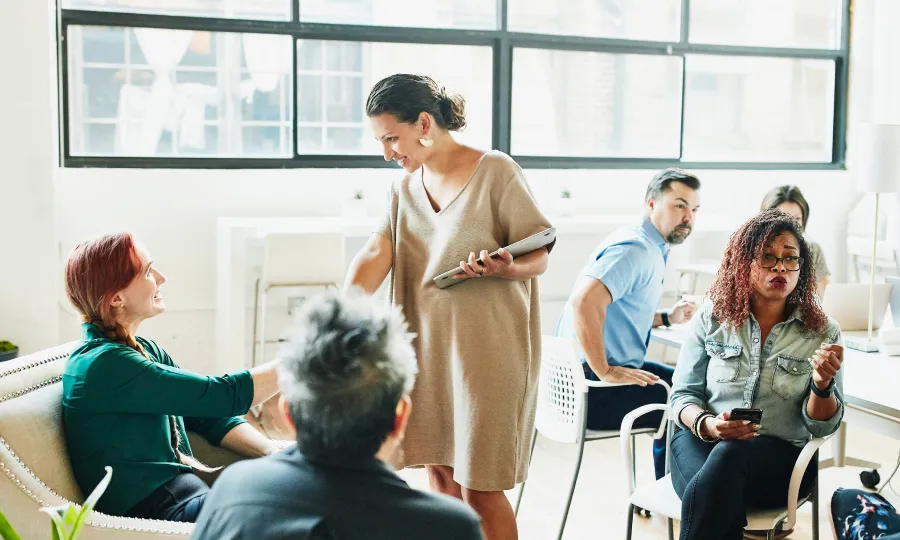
x=754 y=415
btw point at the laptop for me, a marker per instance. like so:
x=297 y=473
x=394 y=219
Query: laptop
x=848 y=304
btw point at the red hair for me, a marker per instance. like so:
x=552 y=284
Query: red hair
x=95 y=272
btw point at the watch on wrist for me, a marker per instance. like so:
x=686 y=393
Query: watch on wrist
x=665 y=319
x=824 y=394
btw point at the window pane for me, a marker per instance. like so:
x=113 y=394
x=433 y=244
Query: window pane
x=651 y=20
x=588 y=104
x=103 y=45
x=263 y=141
x=758 y=109
x=344 y=140
x=335 y=79
x=481 y=14
x=310 y=140
x=101 y=136
x=103 y=102
x=813 y=24
x=237 y=9
x=180 y=93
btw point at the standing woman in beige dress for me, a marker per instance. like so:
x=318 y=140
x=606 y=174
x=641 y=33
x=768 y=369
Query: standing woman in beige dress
x=478 y=341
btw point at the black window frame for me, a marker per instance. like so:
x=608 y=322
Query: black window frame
x=502 y=42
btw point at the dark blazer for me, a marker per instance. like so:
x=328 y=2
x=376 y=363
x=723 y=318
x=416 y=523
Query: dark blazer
x=286 y=495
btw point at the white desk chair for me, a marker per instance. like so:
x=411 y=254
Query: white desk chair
x=295 y=260
x=660 y=496
x=860 y=246
x=694 y=271
x=562 y=409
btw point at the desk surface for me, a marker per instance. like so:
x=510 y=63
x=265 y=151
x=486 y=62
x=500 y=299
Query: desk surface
x=870 y=379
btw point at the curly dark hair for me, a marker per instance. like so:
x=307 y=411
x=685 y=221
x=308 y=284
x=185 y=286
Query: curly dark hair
x=730 y=292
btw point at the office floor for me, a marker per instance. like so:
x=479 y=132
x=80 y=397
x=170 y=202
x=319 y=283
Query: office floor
x=600 y=503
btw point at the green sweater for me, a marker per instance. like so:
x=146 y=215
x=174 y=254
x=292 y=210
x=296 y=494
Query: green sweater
x=116 y=405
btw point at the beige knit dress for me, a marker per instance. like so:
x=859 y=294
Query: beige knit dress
x=478 y=342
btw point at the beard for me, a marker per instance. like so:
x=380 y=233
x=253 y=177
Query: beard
x=676 y=239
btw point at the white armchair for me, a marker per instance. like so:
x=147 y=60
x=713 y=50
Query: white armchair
x=660 y=496
x=35 y=470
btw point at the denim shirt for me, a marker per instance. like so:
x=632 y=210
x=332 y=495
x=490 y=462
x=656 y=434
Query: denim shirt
x=721 y=368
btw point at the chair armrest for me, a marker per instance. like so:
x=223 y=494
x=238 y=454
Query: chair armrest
x=662 y=425
x=219 y=456
x=806 y=455
x=625 y=436
x=214 y=456
x=602 y=384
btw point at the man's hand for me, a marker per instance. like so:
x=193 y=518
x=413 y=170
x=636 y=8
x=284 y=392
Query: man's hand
x=682 y=311
x=625 y=375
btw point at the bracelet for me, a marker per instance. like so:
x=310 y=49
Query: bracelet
x=665 y=319
x=696 y=427
x=696 y=422
x=824 y=394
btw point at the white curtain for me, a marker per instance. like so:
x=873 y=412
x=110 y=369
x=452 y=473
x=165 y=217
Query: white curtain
x=143 y=116
x=268 y=58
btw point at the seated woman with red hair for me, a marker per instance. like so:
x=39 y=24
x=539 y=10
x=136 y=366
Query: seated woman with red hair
x=126 y=404
x=762 y=341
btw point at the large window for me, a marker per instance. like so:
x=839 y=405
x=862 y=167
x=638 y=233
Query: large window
x=575 y=83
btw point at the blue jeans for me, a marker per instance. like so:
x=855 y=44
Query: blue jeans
x=179 y=499
x=606 y=407
x=718 y=481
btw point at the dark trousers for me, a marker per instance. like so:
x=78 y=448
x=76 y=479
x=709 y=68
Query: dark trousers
x=179 y=499
x=718 y=481
x=608 y=406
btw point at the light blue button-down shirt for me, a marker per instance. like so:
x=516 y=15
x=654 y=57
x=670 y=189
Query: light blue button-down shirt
x=631 y=262
x=721 y=368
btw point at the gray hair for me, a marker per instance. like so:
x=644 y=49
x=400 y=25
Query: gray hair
x=662 y=181
x=343 y=371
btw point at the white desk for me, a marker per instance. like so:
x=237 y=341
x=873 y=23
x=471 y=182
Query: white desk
x=871 y=399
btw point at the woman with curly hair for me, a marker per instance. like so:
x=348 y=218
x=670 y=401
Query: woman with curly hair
x=761 y=341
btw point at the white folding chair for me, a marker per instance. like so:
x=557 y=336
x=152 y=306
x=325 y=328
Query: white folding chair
x=660 y=496
x=694 y=270
x=295 y=260
x=562 y=409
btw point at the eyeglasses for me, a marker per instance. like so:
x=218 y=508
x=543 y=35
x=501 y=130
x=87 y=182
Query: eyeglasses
x=791 y=263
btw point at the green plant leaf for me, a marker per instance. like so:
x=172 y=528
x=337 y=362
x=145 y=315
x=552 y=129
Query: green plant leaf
x=89 y=504
x=98 y=491
x=71 y=515
x=57 y=514
x=6 y=530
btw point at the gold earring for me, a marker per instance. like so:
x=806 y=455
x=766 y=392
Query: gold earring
x=426 y=142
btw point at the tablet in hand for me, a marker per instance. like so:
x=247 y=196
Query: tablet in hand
x=522 y=247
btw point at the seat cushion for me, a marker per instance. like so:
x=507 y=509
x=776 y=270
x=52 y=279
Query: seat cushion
x=660 y=497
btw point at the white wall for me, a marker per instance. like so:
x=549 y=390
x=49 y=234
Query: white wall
x=174 y=212
x=28 y=254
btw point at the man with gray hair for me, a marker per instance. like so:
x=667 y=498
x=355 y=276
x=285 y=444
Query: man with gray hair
x=345 y=379
x=615 y=303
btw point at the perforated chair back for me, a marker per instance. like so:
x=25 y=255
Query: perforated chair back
x=561 y=392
